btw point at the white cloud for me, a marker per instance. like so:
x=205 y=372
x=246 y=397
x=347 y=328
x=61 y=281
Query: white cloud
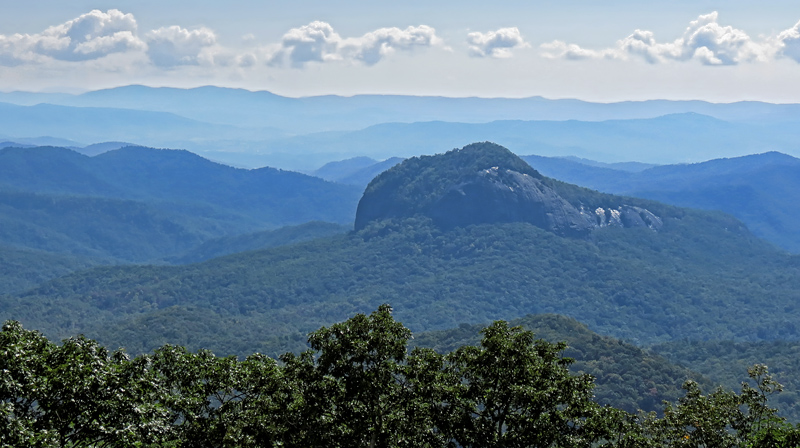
x=704 y=40
x=99 y=35
x=319 y=42
x=173 y=45
x=788 y=43
x=374 y=46
x=91 y=36
x=496 y=44
x=315 y=42
x=561 y=50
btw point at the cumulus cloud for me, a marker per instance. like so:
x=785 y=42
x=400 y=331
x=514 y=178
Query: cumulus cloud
x=496 y=44
x=113 y=37
x=173 y=45
x=561 y=50
x=91 y=36
x=319 y=42
x=788 y=43
x=704 y=40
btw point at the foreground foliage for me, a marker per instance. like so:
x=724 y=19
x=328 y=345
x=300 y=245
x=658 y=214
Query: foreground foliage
x=357 y=386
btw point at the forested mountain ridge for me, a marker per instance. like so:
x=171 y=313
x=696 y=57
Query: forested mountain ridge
x=139 y=204
x=701 y=275
x=759 y=189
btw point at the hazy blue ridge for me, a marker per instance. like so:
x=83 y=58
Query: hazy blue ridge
x=668 y=139
x=256 y=129
x=759 y=189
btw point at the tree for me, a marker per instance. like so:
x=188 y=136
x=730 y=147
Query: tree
x=22 y=385
x=76 y=394
x=364 y=356
x=517 y=392
x=724 y=418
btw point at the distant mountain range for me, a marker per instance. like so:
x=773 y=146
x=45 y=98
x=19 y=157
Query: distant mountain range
x=240 y=107
x=758 y=189
x=256 y=129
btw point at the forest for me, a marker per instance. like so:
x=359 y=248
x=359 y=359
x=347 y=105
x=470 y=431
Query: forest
x=357 y=385
x=623 y=333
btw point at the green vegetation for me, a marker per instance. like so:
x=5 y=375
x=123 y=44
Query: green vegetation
x=259 y=240
x=25 y=269
x=61 y=211
x=135 y=204
x=358 y=385
x=413 y=186
x=700 y=277
x=626 y=377
x=717 y=360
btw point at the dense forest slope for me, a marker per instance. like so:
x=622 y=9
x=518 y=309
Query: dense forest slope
x=259 y=240
x=720 y=361
x=24 y=269
x=138 y=204
x=701 y=275
x=627 y=377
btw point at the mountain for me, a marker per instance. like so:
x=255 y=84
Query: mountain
x=29 y=142
x=218 y=247
x=14 y=145
x=256 y=129
x=633 y=167
x=759 y=189
x=700 y=275
x=677 y=138
x=486 y=183
x=99 y=148
x=139 y=204
x=356 y=171
x=335 y=171
x=98 y=124
x=331 y=112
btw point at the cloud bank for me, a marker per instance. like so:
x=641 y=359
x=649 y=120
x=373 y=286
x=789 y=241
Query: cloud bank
x=495 y=44
x=704 y=40
x=90 y=36
x=97 y=34
x=319 y=42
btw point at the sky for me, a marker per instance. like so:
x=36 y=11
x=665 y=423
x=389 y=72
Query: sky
x=615 y=50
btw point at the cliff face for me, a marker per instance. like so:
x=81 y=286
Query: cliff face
x=486 y=183
x=503 y=195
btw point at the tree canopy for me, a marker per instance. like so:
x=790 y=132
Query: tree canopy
x=358 y=385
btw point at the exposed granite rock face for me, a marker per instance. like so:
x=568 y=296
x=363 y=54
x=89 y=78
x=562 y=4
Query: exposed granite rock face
x=501 y=195
x=486 y=183
x=625 y=216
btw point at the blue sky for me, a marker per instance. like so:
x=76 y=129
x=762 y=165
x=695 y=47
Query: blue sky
x=601 y=51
